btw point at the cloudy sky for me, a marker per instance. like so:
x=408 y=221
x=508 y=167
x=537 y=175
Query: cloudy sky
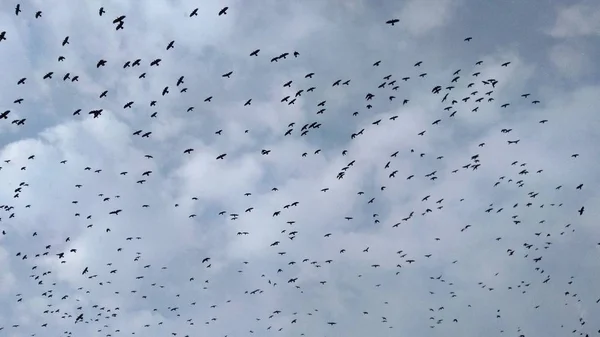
x=480 y=239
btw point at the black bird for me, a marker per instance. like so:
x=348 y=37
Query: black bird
x=119 y=19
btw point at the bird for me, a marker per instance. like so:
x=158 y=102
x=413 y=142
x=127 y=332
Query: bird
x=119 y=19
x=154 y=213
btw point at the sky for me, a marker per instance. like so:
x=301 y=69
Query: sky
x=437 y=226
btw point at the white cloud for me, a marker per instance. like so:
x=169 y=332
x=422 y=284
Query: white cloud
x=421 y=16
x=569 y=59
x=577 y=20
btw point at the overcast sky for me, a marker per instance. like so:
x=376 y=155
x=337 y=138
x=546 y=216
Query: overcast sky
x=438 y=226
